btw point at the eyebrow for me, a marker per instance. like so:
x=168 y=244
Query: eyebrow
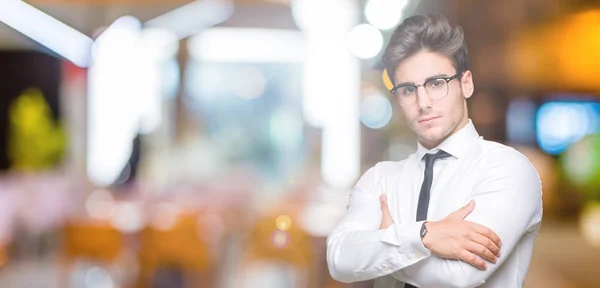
x=428 y=78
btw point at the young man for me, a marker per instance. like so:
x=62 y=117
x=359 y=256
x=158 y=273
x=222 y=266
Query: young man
x=460 y=211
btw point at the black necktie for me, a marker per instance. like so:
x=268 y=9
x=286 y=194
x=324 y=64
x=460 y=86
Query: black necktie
x=423 y=206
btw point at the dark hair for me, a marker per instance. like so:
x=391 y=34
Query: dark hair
x=432 y=32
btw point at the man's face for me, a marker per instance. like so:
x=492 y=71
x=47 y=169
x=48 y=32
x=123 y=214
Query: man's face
x=434 y=120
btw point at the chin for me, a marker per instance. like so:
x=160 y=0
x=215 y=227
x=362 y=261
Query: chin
x=433 y=135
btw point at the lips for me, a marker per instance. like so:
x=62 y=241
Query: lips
x=427 y=119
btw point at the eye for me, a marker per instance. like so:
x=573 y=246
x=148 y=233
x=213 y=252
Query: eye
x=407 y=90
x=436 y=83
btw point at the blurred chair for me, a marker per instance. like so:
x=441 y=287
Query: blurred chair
x=176 y=248
x=272 y=246
x=93 y=241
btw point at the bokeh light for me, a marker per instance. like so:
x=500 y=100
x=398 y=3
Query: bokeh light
x=384 y=14
x=283 y=222
x=98 y=277
x=590 y=223
x=164 y=216
x=100 y=204
x=562 y=123
x=280 y=239
x=581 y=166
x=375 y=111
x=128 y=217
x=365 y=41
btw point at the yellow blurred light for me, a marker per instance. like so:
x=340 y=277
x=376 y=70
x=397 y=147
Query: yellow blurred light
x=590 y=223
x=386 y=80
x=36 y=140
x=579 y=54
x=283 y=222
x=569 y=46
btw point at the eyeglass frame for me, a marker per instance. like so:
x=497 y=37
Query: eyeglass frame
x=447 y=79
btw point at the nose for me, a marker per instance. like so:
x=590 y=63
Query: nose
x=423 y=99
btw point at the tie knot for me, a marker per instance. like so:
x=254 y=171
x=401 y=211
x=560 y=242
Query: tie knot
x=430 y=158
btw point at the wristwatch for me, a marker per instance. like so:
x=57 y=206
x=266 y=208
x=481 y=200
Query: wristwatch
x=423 y=230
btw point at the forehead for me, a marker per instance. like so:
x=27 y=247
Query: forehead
x=423 y=65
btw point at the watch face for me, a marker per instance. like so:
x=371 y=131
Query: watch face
x=423 y=230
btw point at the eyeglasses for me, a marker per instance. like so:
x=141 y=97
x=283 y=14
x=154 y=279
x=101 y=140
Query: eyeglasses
x=436 y=88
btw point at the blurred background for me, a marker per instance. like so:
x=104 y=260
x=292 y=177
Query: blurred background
x=214 y=143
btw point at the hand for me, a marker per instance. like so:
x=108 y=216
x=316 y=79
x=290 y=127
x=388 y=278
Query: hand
x=386 y=218
x=456 y=238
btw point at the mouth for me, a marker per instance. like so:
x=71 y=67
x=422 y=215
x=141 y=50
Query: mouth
x=427 y=119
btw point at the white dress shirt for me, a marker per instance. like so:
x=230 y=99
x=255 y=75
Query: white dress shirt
x=508 y=200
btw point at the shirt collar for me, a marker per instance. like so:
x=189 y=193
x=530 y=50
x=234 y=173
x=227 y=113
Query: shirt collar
x=456 y=145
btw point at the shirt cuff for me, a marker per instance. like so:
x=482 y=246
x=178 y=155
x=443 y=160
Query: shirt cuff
x=407 y=236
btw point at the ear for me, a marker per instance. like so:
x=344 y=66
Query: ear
x=466 y=83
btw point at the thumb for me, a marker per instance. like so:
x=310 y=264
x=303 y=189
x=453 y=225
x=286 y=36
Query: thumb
x=464 y=211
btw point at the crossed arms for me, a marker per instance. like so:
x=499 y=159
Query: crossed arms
x=508 y=202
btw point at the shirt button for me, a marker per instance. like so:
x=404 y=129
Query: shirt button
x=418 y=254
x=385 y=268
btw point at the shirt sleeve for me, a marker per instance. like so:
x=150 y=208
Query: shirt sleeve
x=508 y=200
x=357 y=250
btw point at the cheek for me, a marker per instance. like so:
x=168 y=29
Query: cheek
x=409 y=114
x=459 y=106
x=453 y=105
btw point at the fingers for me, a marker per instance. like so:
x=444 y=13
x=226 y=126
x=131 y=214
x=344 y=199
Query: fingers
x=487 y=232
x=486 y=242
x=463 y=211
x=473 y=260
x=481 y=251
